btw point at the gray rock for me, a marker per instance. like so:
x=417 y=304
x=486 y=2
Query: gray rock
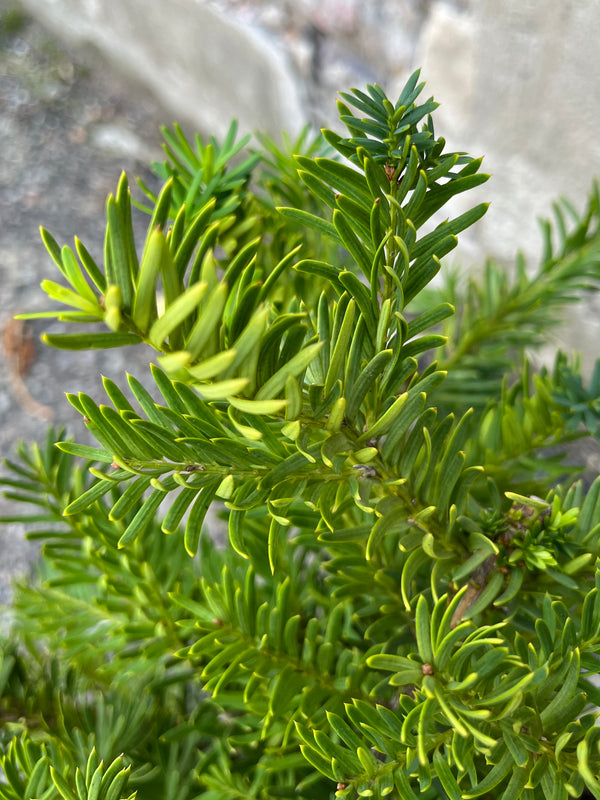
x=55 y=170
x=519 y=86
x=202 y=66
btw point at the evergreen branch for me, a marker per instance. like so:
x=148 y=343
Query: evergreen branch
x=406 y=605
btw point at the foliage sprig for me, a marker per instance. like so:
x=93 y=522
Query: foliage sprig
x=405 y=602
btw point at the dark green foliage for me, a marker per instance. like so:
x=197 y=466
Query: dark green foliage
x=397 y=591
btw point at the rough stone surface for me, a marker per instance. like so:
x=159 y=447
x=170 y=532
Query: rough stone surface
x=57 y=165
x=521 y=87
x=201 y=66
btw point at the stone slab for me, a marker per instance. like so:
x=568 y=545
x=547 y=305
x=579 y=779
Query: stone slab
x=204 y=67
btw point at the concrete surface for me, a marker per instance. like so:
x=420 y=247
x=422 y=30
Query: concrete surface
x=201 y=66
x=519 y=82
x=521 y=87
x=68 y=126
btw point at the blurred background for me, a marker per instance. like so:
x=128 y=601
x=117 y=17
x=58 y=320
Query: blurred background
x=85 y=84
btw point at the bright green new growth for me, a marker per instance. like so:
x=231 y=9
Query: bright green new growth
x=406 y=605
